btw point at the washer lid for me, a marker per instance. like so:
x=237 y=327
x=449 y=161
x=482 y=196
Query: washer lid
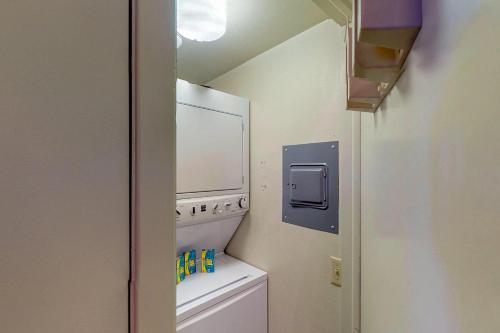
x=203 y=290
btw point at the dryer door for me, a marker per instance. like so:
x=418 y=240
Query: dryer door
x=209 y=150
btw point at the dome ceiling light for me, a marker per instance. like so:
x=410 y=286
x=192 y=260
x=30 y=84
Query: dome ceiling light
x=201 y=20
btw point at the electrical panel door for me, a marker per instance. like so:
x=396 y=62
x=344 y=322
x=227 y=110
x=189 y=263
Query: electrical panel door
x=311 y=186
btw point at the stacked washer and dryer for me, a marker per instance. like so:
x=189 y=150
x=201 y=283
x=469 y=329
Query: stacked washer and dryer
x=212 y=199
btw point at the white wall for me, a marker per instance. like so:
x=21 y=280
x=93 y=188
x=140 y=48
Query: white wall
x=64 y=166
x=297 y=95
x=431 y=181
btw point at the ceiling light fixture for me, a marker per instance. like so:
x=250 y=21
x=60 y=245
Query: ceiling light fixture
x=201 y=20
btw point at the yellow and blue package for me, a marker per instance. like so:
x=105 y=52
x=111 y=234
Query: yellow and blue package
x=178 y=270
x=208 y=261
x=203 y=256
x=182 y=270
x=185 y=257
x=190 y=262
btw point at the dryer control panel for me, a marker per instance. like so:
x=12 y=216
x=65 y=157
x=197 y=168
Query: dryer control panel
x=199 y=210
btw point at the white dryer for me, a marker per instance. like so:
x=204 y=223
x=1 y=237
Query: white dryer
x=212 y=199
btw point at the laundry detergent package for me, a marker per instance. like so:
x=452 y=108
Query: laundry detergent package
x=185 y=257
x=182 y=269
x=208 y=261
x=190 y=262
x=178 y=270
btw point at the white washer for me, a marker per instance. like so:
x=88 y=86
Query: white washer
x=233 y=299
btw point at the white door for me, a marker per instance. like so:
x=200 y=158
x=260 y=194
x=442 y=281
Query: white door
x=64 y=166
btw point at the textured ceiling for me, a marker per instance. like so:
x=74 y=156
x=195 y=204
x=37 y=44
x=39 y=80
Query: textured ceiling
x=254 y=26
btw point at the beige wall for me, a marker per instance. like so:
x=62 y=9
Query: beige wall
x=297 y=94
x=64 y=168
x=431 y=181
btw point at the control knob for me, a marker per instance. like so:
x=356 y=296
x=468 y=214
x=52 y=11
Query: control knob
x=243 y=202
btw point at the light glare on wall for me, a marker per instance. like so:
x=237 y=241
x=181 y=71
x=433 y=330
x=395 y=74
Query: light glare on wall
x=201 y=20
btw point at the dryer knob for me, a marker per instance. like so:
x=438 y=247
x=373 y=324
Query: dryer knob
x=214 y=208
x=243 y=203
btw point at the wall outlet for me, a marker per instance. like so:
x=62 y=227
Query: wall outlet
x=336 y=271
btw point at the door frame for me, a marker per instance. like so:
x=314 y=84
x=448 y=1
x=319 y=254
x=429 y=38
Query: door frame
x=351 y=242
x=152 y=233
x=153 y=243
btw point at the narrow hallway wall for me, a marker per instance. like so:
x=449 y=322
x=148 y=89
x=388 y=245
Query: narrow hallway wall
x=431 y=181
x=64 y=175
x=297 y=95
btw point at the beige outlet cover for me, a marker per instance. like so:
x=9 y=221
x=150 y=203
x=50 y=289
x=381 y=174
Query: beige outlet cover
x=336 y=278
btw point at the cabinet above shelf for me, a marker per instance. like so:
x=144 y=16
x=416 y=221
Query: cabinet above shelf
x=389 y=23
x=385 y=31
x=380 y=35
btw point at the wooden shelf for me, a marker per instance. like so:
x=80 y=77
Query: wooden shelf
x=380 y=34
x=362 y=94
x=383 y=33
x=377 y=63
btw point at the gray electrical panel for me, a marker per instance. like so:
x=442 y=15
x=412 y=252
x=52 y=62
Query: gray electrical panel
x=311 y=186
